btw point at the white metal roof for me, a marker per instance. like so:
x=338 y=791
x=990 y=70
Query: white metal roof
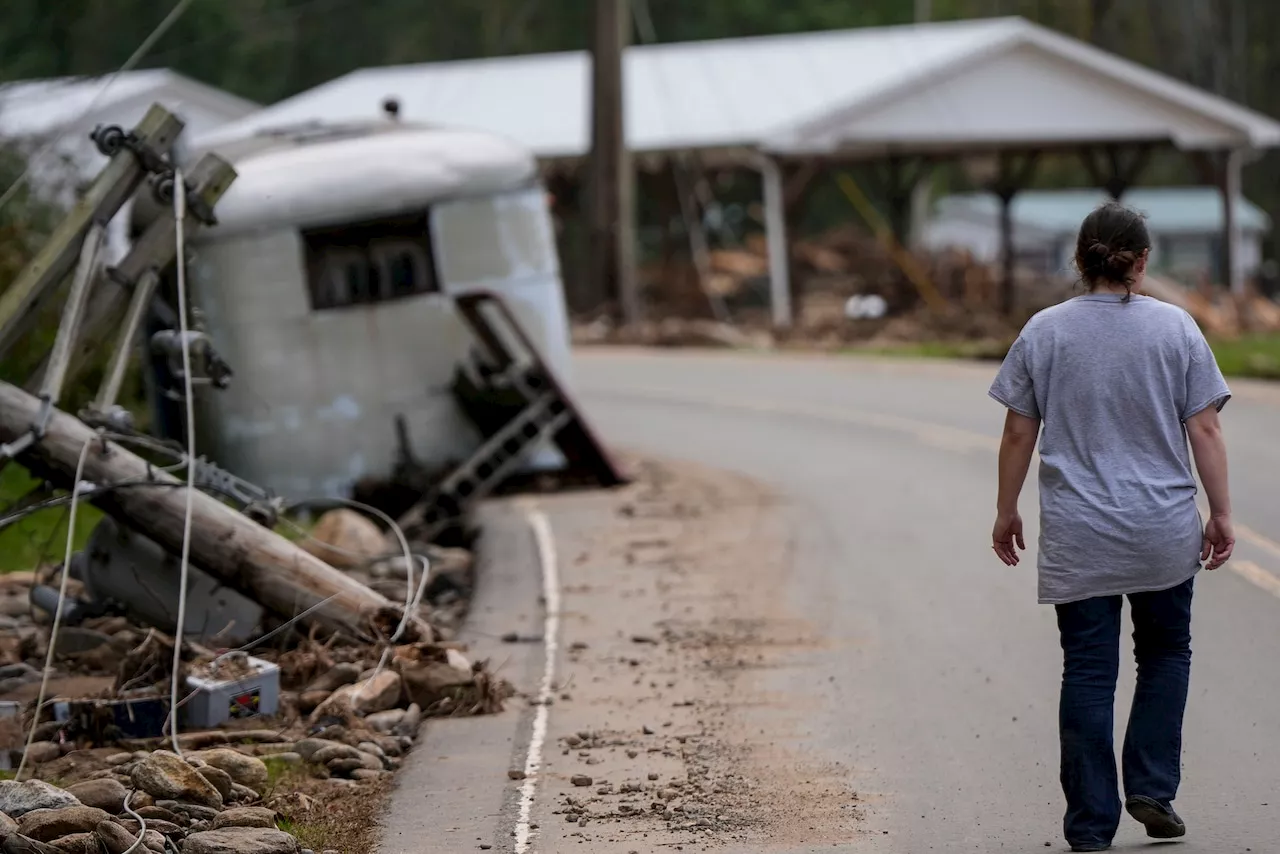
x=36 y=107
x=800 y=92
x=315 y=178
x=1168 y=210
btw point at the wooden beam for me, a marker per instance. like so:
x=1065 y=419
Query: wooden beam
x=247 y=557
x=110 y=190
x=153 y=252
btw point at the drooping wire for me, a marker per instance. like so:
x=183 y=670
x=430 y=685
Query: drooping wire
x=57 y=612
x=148 y=43
x=179 y=216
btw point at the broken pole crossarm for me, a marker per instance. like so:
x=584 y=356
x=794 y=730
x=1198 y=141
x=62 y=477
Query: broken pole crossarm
x=155 y=250
x=224 y=543
x=112 y=188
x=69 y=328
x=143 y=291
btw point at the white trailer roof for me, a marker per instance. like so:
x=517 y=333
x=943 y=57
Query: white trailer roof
x=944 y=85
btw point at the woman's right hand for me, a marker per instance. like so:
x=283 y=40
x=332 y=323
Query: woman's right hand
x=1219 y=541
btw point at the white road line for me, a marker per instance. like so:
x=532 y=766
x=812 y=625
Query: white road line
x=551 y=644
x=1256 y=575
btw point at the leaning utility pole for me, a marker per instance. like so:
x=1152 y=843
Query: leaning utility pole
x=611 y=180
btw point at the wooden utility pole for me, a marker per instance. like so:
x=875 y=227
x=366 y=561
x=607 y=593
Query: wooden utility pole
x=225 y=543
x=924 y=11
x=611 y=206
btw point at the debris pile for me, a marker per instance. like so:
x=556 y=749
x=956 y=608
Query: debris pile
x=337 y=710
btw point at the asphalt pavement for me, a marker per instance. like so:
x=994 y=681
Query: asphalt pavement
x=938 y=689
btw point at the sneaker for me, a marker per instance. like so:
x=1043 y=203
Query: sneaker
x=1161 y=821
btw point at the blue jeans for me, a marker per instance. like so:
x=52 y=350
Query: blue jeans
x=1090 y=633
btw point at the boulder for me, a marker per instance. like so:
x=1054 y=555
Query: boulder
x=376 y=694
x=18 y=799
x=8 y=827
x=221 y=780
x=105 y=794
x=345 y=539
x=164 y=776
x=246 y=817
x=246 y=770
x=241 y=840
x=50 y=825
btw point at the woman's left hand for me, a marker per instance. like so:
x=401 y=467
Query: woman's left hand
x=1006 y=533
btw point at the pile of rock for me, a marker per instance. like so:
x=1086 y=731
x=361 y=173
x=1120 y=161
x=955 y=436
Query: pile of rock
x=208 y=803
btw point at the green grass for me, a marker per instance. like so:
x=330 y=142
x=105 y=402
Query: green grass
x=1256 y=356
x=1252 y=356
x=42 y=535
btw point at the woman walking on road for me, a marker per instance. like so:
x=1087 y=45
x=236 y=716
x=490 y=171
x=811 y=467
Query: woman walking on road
x=1115 y=385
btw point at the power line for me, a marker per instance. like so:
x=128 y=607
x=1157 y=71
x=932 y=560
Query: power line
x=147 y=44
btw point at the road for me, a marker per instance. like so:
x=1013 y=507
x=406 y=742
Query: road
x=937 y=687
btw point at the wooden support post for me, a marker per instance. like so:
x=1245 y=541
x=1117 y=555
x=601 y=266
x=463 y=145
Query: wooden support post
x=611 y=210
x=698 y=246
x=1232 y=273
x=153 y=252
x=224 y=543
x=112 y=188
x=1013 y=176
x=775 y=228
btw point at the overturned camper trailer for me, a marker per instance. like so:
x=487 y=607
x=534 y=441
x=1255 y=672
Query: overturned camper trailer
x=329 y=286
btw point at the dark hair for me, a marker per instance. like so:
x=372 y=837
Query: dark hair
x=1112 y=240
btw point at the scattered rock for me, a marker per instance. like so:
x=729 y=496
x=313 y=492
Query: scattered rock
x=155 y=813
x=243 y=794
x=191 y=812
x=43 y=751
x=309 y=747
x=164 y=776
x=378 y=694
x=345 y=539
x=78 y=843
x=260 y=817
x=581 y=780
x=367 y=774
x=241 y=840
x=287 y=758
x=221 y=780
x=118 y=759
x=516 y=774
x=410 y=723
x=106 y=794
x=18 y=799
x=114 y=838
x=385 y=721
x=309 y=701
x=246 y=770
x=427 y=682
x=332 y=752
x=53 y=824
x=338 y=676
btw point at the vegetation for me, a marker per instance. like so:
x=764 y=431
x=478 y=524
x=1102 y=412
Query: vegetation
x=270 y=49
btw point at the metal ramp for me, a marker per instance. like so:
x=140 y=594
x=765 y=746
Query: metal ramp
x=515 y=400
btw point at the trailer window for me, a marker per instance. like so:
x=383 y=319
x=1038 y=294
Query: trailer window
x=370 y=262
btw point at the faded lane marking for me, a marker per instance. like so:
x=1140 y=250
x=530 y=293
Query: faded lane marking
x=551 y=643
x=936 y=435
x=1256 y=575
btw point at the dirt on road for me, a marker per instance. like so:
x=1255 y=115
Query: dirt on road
x=669 y=729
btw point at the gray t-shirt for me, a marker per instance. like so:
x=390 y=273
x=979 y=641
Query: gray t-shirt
x=1113 y=383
